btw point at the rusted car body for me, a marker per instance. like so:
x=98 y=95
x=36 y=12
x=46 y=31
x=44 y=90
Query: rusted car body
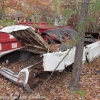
x=33 y=45
x=46 y=49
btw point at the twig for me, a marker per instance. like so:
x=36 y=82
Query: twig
x=53 y=72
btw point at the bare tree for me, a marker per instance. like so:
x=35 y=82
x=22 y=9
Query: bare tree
x=74 y=84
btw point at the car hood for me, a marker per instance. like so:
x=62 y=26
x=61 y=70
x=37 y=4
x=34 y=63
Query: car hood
x=29 y=39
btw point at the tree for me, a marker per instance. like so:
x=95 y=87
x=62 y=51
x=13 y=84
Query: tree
x=28 y=7
x=74 y=84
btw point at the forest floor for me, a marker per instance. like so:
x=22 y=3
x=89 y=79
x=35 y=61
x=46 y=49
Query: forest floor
x=57 y=87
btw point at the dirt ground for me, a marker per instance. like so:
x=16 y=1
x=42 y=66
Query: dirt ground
x=57 y=87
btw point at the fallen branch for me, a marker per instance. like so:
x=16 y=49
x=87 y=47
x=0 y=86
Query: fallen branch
x=53 y=72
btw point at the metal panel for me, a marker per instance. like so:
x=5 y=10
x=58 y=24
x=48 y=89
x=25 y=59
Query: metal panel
x=13 y=28
x=51 y=60
x=10 y=75
x=8 y=42
x=93 y=51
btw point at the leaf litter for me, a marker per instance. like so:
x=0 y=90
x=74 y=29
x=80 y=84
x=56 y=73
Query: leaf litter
x=57 y=87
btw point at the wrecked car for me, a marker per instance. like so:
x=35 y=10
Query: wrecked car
x=41 y=52
x=33 y=45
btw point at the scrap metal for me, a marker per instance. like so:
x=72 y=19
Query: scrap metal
x=47 y=50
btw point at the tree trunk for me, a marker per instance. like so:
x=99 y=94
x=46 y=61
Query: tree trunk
x=74 y=84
